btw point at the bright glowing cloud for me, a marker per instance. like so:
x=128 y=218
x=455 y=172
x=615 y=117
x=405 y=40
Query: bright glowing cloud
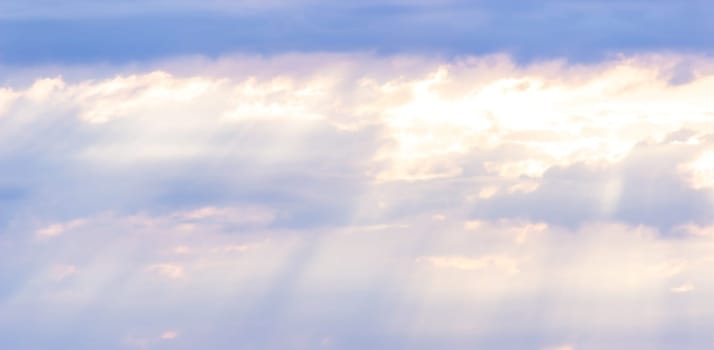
x=520 y=121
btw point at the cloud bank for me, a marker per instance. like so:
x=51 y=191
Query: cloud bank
x=356 y=201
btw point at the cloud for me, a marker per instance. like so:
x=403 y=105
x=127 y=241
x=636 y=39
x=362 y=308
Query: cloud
x=700 y=171
x=59 y=228
x=245 y=215
x=341 y=133
x=314 y=281
x=170 y=271
x=561 y=347
x=378 y=202
x=146 y=342
x=500 y=263
x=169 y=335
x=685 y=288
x=697 y=230
x=61 y=272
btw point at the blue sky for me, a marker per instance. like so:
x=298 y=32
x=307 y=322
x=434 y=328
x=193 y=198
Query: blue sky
x=121 y=31
x=383 y=175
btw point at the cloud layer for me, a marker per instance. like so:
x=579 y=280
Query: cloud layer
x=355 y=201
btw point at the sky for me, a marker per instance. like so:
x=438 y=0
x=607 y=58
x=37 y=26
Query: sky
x=308 y=174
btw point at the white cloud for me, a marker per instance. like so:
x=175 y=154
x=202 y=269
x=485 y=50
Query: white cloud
x=561 y=347
x=684 y=288
x=423 y=270
x=700 y=171
x=698 y=230
x=493 y=262
x=169 y=335
x=149 y=342
x=59 y=228
x=171 y=271
x=181 y=249
x=313 y=190
x=516 y=121
x=251 y=215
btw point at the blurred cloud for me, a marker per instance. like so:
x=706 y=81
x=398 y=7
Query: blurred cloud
x=58 y=229
x=60 y=272
x=561 y=347
x=170 y=271
x=169 y=335
x=504 y=263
